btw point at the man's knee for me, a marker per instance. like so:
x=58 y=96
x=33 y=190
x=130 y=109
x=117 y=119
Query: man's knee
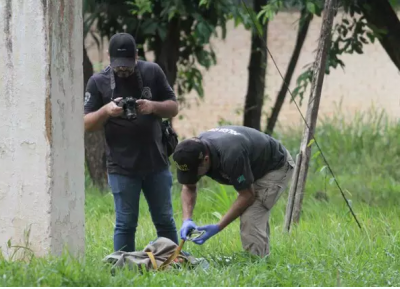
x=253 y=230
x=255 y=240
x=256 y=248
x=164 y=221
x=126 y=221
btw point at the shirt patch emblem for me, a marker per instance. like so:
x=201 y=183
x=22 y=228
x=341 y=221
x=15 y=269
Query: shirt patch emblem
x=146 y=93
x=87 y=97
x=241 y=179
x=225 y=130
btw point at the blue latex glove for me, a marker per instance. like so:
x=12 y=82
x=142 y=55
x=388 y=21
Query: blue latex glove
x=186 y=227
x=211 y=230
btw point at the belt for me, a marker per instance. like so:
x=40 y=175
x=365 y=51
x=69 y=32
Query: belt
x=168 y=261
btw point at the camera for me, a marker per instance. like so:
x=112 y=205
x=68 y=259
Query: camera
x=129 y=105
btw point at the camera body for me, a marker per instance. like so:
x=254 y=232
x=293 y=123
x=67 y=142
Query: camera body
x=129 y=105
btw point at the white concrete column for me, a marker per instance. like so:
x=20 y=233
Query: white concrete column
x=41 y=125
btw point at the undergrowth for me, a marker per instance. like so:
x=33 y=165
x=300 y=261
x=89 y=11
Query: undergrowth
x=325 y=249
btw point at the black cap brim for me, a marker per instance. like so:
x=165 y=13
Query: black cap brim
x=187 y=178
x=122 y=61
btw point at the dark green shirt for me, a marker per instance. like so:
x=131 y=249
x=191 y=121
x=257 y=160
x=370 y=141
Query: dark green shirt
x=241 y=155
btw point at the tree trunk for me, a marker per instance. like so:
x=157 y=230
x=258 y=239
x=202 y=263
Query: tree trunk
x=380 y=14
x=167 y=51
x=257 y=69
x=293 y=210
x=95 y=156
x=140 y=40
x=301 y=36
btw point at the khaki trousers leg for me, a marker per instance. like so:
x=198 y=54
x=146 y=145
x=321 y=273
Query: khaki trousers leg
x=254 y=222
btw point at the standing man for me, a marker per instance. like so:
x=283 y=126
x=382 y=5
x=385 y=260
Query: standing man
x=136 y=155
x=255 y=164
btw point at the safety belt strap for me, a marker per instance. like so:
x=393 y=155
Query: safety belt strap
x=173 y=256
x=152 y=259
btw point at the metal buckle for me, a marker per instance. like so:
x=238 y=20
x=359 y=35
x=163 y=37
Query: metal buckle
x=194 y=234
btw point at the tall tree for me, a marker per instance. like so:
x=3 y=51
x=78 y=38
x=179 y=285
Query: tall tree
x=257 y=70
x=382 y=18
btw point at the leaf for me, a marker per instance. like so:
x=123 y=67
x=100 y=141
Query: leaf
x=259 y=28
x=323 y=169
x=345 y=30
x=204 y=2
x=311 y=142
x=350 y=203
x=358 y=49
x=295 y=92
x=203 y=32
x=267 y=13
x=162 y=32
x=348 y=192
x=371 y=37
x=217 y=215
x=331 y=181
x=316 y=155
x=363 y=40
x=149 y=27
x=311 y=7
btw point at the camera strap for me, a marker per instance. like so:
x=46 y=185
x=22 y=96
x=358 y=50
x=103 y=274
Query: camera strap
x=112 y=83
x=138 y=78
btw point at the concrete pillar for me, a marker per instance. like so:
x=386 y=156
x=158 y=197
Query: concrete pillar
x=41 y=126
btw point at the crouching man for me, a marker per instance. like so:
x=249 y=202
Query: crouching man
x=255 y=164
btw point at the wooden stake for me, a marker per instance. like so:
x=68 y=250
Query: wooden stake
x=296 y=192
x=290 y=203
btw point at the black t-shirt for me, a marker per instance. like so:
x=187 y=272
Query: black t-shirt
x=241 y=155
x=133 y=147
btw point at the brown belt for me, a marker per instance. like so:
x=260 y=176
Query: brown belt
x=169 y=260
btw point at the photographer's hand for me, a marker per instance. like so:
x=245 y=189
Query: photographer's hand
x=145 y=106
x=95 y=120
x=113 y=109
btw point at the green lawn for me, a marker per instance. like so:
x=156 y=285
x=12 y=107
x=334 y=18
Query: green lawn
x=326 y=249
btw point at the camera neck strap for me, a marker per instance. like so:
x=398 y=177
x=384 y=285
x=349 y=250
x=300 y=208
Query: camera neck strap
x=136 y=72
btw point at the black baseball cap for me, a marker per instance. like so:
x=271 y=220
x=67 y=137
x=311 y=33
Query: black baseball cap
x=188 y=156
x=122 y=49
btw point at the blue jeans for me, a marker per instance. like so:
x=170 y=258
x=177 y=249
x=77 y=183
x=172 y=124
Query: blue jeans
x=157 y=191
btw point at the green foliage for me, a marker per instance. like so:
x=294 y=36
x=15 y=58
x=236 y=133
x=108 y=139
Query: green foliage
x=273 y=7
x=312 y=7
x=150 y=22
x=362 y=153
x=197 y=24
x=110 y=16
x=348 y=36
x=325 y=249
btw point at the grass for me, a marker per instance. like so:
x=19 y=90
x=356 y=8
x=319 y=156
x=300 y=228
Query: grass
x=325 y=249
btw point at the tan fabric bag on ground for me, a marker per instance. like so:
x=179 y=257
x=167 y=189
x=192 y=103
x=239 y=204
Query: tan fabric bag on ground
x=153 y=256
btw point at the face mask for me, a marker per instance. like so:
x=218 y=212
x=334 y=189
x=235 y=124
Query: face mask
x=124 y=71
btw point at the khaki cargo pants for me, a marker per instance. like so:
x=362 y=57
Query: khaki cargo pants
x=254 y=222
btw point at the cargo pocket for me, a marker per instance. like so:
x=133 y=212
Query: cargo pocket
x=273 y=193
